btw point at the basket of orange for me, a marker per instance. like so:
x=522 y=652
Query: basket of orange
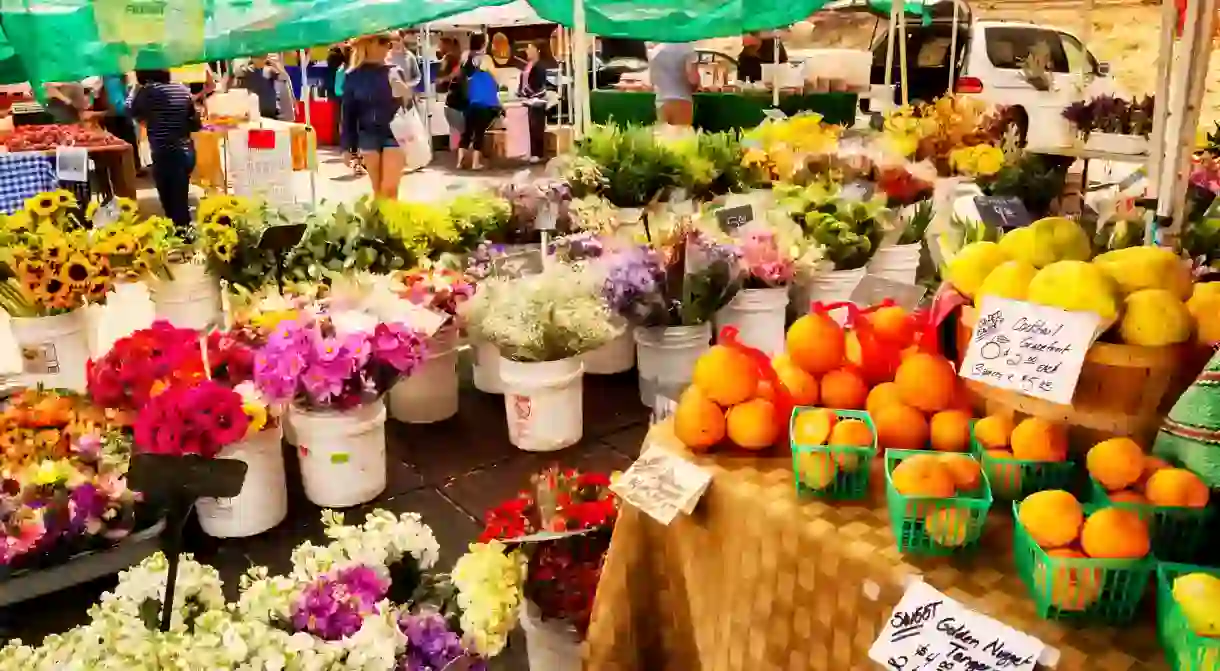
x=1081 y=561
x=1019 y=460
x=1173 y=501
x=832 y=451
x=938 y=502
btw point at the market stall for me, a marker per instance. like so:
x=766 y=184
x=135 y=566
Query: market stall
x=715 y=111
x=212 y=168
x=109 y=168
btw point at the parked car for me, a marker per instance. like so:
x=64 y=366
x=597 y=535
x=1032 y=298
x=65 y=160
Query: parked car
x=989 y=61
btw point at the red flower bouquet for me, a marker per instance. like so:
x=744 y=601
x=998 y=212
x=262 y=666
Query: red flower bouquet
x=563 y=573
x=191 y=418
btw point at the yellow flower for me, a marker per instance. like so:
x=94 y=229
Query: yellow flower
x=123 y=243
x=269 y=320
x=128 y=206
x=91 y=209
x=77 y=271
x=988 y=161
x=257 y=414
x=43 y=205
x=49 y=472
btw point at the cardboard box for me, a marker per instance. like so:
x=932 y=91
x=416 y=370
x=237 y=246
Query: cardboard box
x=558 y=140
x=495 y=144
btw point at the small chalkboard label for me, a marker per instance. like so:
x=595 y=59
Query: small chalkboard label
x=518 y=264
x=166 y=476
x=281 y=237
x=733 y=218
x=1003 y=212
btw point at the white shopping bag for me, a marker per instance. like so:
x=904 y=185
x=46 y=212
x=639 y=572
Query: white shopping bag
x=412 y=137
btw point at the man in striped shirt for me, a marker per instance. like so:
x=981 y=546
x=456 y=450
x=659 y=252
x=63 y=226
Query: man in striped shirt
x=168 y=112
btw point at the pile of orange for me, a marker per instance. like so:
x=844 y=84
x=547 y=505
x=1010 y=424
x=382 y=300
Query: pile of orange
x=1056 y=522
x=1128 y=475
x=727 y=399
x=1032 y=440
x=939 y=476
x=817 y=469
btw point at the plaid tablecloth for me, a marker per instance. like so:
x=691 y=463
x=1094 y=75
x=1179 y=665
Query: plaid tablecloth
x=23 y=175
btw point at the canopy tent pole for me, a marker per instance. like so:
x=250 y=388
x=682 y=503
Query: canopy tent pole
x=902 y=53
x=776 y=79
x=889 y=46
x=1160 y=112
x=580 y=51
x=426 y=55
x=953 y=49
x=564 y=58
x=312 y=162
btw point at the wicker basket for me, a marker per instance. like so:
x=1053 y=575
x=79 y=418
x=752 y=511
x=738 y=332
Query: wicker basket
x=1124 y=390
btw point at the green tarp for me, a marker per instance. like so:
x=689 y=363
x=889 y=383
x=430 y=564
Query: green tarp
x=679 y=20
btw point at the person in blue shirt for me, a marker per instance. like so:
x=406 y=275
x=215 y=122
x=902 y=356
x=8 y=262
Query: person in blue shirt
x=117 y=121
x=168 y=111
x=482 y=101
x=373 y=92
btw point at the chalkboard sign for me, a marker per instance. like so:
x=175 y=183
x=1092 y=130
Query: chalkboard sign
x=518 y=264
x=733 y=218
x=281 y=237
x=1003 y=212
x=163 y=476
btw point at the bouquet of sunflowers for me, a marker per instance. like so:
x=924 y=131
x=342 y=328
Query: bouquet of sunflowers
x=135 y=247
x=230 y=229
x=49 y=263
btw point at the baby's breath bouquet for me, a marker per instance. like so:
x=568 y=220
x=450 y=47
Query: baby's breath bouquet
x=555 y=315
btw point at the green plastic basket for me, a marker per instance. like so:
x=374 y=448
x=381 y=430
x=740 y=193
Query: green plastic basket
x=1014 y=479
x=1178 y=534
x=1185 y=650
x=847 y=484
x=910 y=515
x=1064 y=588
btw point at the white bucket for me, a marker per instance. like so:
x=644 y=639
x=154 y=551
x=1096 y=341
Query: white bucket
x=896 y=263
x=430 y=394
x=616 y=356
x=54 y=350
x=1117 y=143
x=829 y=287
x=667 y=357
x=263 y=502
x=342 y=454
x=552 y=645
x=759 y=316
x=128 y=309
x=191 y=300
x=544 y=403
x=486 y=369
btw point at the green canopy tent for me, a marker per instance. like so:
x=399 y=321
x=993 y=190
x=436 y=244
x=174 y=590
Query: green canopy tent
x=11 y=69
x=679 y=20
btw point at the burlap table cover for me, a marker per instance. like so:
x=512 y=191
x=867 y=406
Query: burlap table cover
x=760 y=580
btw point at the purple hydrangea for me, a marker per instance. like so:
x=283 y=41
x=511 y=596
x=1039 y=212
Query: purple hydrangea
x=335 y=606
x=431 y=645
x=634 y=284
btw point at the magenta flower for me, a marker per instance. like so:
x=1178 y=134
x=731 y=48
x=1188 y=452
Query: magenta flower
x=335 y=606
x=399 y=347
x=322 y=383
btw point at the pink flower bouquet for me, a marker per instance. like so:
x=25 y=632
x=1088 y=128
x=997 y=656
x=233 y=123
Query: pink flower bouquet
x=764 y=263
x=198 y=418
x=308 y=362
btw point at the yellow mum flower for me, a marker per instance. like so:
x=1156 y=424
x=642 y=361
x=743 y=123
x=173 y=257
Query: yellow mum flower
x=257 y=414
x=49 y=472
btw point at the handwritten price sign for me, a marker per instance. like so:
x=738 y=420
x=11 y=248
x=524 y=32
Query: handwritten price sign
x=928 y=631
x=662 y=485
x=1031 y=349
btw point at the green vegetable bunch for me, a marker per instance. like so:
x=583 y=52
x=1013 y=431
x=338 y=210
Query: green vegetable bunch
x=352 y=239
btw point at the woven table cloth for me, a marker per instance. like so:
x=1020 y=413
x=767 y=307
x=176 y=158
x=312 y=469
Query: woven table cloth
x=758 y=579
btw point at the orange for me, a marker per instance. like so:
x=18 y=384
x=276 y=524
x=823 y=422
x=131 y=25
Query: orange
x=966 y=472
x=923 y=475
x=816 y=343
x=1176 y=488
x=882 y=395
x=1071 y=588
x=844 y=389
x=752 y=425
x=993 y=432
x=801 y=386
x=949 y=431
x=1116 y=464
x=1152 y=465
x=847 y=461
x=813 y=427
x=1036 y=439
x=1003 y=473
x=1051 y=517
x=949 y=527
x=698 y=422
x=1115 y=533
x=961 y=400
x=1128 y=496
x=893 y=325
x=726 y=375
x=817 y=469
x=851 y=432
x=901 y=427
x=926 y=382
x=765 y=390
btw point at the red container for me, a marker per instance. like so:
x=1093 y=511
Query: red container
x=322 y=116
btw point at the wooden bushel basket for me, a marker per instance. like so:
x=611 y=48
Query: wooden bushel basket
x=1124 y=390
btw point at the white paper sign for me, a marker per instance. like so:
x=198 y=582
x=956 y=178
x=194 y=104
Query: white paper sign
x=928 y=631
x=72 y=164
x=662 y=485
x=261 y=173
x=1031 y=349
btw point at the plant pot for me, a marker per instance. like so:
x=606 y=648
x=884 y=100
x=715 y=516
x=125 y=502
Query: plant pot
x=896 y=263
x=616 y=356
x=191 y=300
x=828 y=287
x=759 y=316
x=54 y=350
x=1115 y=143
x=263 y=501
x=544 y=403
x=552 y=645
x=342 y=454
x=128 y=309
x=667 y=356
x=430 y=394
x=486 y=369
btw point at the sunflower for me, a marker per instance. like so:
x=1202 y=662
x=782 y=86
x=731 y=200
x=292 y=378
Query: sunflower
x=91 y=209
x=98 y=289
x=109 y=232
x=140 y=264
x=123 y=243
x=128 y=206
x=222 y=218
x=66 y=198
x=77 y=271
x=43 y=205
x=55 y=250
x=32 y=268
x=223 y=250
x=54 y=290
x=18 y=222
